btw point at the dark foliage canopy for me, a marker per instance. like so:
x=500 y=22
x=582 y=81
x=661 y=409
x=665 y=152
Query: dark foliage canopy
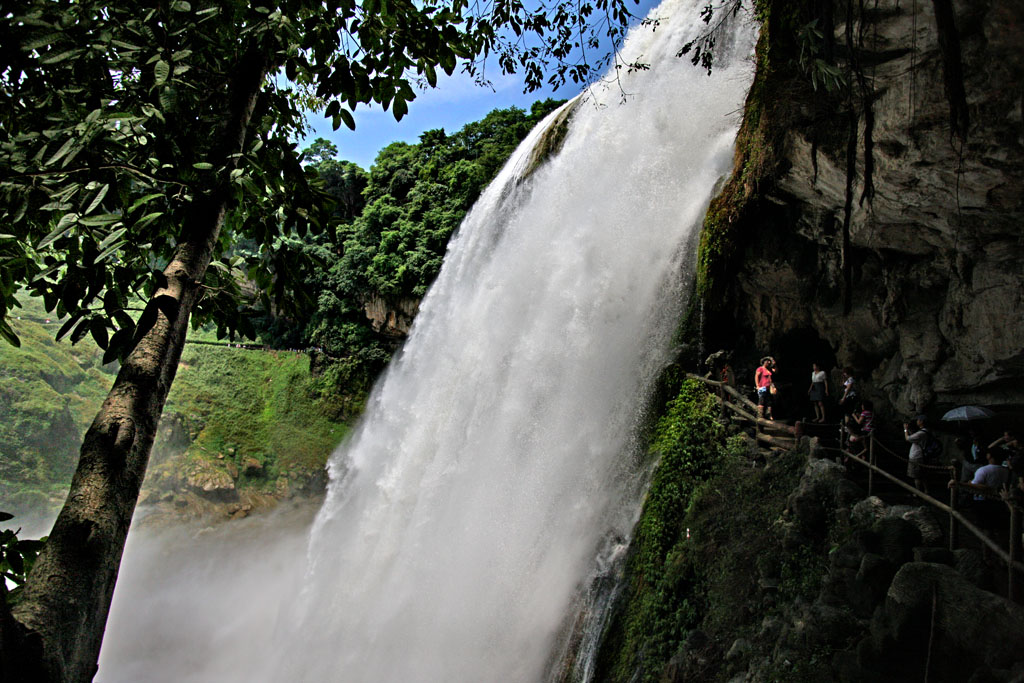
x=112 y=124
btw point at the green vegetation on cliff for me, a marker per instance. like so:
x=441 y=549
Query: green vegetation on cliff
x=691 y=445
x=393 y=226
x=263 y=412
x=710 y=526
x=49 y=393
x=254 y=416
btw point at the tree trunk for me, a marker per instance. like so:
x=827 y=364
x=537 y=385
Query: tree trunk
x=55 y=631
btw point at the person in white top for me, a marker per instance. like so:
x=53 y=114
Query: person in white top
x=818 y=391
x=918 y=440
x=988 y=484
x=990 y=478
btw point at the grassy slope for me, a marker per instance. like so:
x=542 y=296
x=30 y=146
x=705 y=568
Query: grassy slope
x=265 y=406
x=49 y=393
x=253 y=405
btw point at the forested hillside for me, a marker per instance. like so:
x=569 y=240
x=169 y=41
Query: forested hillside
x=241 y=421
x=394 y=222
x=49 y=392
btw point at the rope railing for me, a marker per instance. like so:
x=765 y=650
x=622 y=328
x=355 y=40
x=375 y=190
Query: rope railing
x=956 y=518
x=919 y=463
x=1008 y=556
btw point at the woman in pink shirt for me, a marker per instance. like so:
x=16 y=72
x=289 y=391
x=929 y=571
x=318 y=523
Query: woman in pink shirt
x=763 y=384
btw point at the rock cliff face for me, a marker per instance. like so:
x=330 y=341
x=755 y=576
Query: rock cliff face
x=914 y=273
x=393 y=320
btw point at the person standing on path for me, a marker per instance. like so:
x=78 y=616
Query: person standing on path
x=818 y=391
x=765 y=387
x=849 y=398
x=918 y=439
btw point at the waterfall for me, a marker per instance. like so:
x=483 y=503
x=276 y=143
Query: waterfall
x=497 y=456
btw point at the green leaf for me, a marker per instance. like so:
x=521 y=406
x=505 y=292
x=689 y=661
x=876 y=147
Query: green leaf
x=55 y=206
x=66 y=327
x=168 y=98
x=109 y=250
x=64 y=149
x=20 y=212
x=100 y=194
x=124 y=320
x=9 y=336
x=148 y=218
x=4 y=516
x=64 y=226
x=161 y=71
x=80 y=331
x=42 y=41
x=400 y=108
x=98 y=328
x=346 y=116
x=202 y=166
x=100 y=220
x=113 y=236
x=119 y=344
x=144 y=200
x=53 y=59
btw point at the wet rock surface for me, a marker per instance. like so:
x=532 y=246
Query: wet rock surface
x=936 y=283
x=892 y=603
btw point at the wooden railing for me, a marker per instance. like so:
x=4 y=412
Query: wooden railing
x=746 y=410
x=1009 y=555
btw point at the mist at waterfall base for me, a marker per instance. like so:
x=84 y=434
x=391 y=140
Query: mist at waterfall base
x=498 y=453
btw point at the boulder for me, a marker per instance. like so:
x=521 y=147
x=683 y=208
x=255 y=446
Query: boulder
x=812 y=504
x=972 y=566
x=924 y=519
x=868 y=511
x=872 y=583
x=740 y=650
x=252 y=467
x=897 y=539
x=933 y=617
x=935 y=555
x=209 y=481
x=848 y=493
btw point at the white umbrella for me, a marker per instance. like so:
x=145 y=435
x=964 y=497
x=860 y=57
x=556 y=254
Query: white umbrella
x=966 y=413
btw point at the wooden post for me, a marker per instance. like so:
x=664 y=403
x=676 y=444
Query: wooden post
x=1014 y=542
x=871 y=459
x=757 y=422
x=954 y=530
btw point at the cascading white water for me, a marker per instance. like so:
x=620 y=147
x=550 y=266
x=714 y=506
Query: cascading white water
x=497 y=453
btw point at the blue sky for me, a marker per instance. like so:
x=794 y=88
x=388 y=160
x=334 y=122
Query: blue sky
x=455 y=102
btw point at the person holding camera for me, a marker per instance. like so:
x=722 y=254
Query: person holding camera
x=918 y=439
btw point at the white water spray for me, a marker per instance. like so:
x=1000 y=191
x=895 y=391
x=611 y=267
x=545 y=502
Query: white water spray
x=497 y=453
